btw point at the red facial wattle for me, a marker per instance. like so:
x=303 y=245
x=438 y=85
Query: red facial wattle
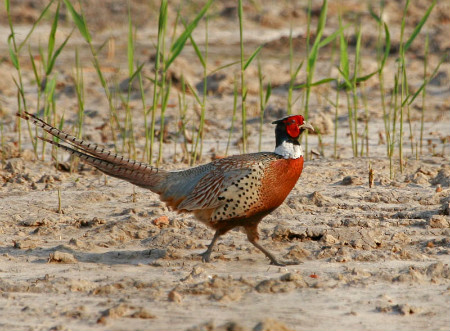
x=292 y=125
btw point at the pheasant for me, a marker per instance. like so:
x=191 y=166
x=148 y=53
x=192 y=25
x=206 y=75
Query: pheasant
x=239 y=190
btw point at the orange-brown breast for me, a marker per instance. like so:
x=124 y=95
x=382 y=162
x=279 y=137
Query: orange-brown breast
x=278 y=181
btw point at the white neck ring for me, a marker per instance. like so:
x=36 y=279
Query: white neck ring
x=289 y=151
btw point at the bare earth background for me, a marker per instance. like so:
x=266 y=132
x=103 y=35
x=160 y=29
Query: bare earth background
x=116 y=258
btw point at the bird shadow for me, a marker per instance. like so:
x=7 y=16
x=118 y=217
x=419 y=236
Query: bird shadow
x=113 y=257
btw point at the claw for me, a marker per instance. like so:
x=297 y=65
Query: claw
x=284 y=263
x=205 y=256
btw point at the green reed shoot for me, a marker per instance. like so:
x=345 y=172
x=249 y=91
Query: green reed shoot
x=79 y=90
x=52 y=56
x=203 y=58
x=162 y=22
x=162 y=83
x=14 y=49
x=405 y=95
x=382 y=57
x=313 y=54
x=354 y=87
x=233 y=117
x=80 y=23
x=130 y=44
x=351 y=82
x=132 y=75
x=263 y=100
x=401 y=72
x=424 y=91
x=182 y=131
x=365 y=139
x=243 y=86
x=293 y=73
x=163 y=62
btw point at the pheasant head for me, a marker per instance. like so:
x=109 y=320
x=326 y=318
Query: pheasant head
x=287 y=132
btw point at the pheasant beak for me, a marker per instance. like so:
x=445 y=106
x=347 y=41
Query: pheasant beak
x=306 y=125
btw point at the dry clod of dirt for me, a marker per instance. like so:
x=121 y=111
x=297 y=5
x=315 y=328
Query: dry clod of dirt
x=112 y=313
x=298 y=253
x=32 y=222
x=26 y=243
x=439 y=221
x=285 y=283
x=442 y=177
x=162 y=221
x=211 y=326
x=89 y=223
x=402 y=309
x=61 y=257
x=329 y=239
x=142 y=313
x=352 y=180
x=271 y=325
x=267 y=324
x=174 y=296
x=317 y=199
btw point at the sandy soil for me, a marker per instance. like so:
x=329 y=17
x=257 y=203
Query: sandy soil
x=111 y=256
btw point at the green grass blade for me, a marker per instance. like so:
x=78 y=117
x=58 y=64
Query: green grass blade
x=332 y=36
x=138 y=70
x=366 y=77
x=194 y=93
x=424 y=84
x=224 y=66
x=250 y=59
x=374 y=15
x=130 y=48
x=357 y=55
x=344 y=63
x=12 y=53
x=162 y=15
x=178 y=45
x=320 y=27
x=419 y=26
x=387 y=46
x=43 y=13
x=268 y=93
x=197 y=51
x=51 y=62
x=297 y=70
x=41 y=54
x=51 y=38
x=79 y=21
x=33 y=65
x=320 y=82
x=347 y=82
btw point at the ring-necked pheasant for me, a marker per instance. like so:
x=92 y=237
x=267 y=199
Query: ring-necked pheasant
x=234 y=191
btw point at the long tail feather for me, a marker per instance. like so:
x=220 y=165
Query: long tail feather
x=86 y=147
x=137 y=173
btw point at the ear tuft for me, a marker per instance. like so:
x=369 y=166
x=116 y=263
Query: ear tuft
x=297 y=118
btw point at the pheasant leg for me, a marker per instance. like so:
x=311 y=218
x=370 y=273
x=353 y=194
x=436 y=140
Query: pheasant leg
x=253 y=237
x=207 y=254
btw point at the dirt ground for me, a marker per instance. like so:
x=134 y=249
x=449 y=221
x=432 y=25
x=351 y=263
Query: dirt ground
x=82 y=251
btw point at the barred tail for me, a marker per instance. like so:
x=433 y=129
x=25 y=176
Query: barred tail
x=86 y=147
x=138 y=173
